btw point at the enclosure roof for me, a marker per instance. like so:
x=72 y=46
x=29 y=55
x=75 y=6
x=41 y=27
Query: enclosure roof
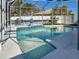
x=44 y=4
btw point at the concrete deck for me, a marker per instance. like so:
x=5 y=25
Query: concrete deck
x=66 y=45
x=66 y=40
x=63 y=54
x=9 y=50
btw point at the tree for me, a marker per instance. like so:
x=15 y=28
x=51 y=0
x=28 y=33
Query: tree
x=64 y=6
x=17 y=3
x=25 y=9
x=49 y=0
x=28 y=5
x=64 y=10
x=70 y=11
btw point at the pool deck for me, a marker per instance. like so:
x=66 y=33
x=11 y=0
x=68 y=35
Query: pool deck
x=9 y=50
x=63 y=54
x=65 y=44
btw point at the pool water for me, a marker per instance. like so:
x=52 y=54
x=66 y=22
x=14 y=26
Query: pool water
x=39 y=52
x=41 y=32
x=35 y=49
x=32 y=40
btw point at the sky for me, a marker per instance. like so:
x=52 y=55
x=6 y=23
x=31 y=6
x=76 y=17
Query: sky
x=47 y=5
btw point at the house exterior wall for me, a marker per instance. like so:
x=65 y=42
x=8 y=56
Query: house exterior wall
x=34 y=17
x=61 y=19
x=64 y=19
x=70 y=19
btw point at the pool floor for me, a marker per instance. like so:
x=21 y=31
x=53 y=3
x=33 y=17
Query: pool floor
x=39 y=52
x=34 y=48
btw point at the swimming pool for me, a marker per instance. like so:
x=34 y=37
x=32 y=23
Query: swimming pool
x=41 y=32
x=32 y=40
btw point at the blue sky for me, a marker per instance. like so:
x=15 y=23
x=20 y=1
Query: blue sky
x=71 y=5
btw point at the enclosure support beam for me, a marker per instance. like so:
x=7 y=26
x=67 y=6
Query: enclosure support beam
x=1 y=20
x=78 y=28
x=4 y=41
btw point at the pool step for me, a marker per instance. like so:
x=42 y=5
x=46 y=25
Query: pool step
x=34 y=48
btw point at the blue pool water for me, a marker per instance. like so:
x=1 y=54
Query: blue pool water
x=32 y=40
x=41 y=32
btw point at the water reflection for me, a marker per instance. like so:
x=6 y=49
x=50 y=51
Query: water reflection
x=59 y=30
x=62 y=29
x=42 y=32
